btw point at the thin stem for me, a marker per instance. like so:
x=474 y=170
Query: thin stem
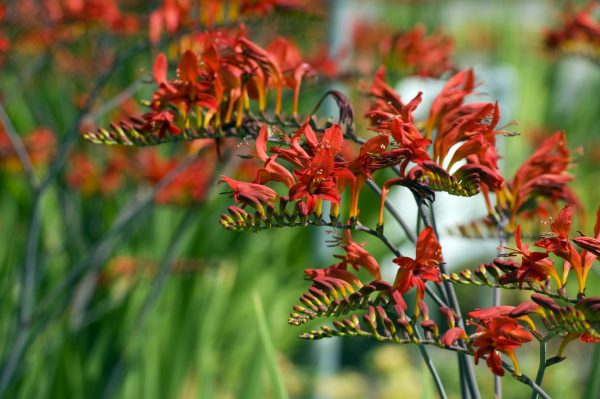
x=528 y=381
x=541 y=368
x=497 y=294
x=465 y=366
x=432 y=370
x=381 y=237
x=19 y=147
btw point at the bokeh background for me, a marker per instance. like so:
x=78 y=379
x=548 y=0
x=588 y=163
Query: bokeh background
x=160 y=301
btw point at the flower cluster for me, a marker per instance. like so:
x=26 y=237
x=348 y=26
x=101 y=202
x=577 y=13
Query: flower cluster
x=539 y=183
x=471 y=126
x=215 y=88
x=226 y=85
x=412 y=52
x=579 y=35
x=172 y=15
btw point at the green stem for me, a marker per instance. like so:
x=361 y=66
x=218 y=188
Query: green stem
x=541 y=368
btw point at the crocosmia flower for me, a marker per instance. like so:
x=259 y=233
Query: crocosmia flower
x=499 y=335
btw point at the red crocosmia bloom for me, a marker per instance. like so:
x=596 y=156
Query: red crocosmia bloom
x=499 y=334
x=543 y=176
x=296 y=154
x=473 y=128
x=168 y=17
x=411 y=52
x=400 y=125
x=159 y=122
x=535 y=266
x=425 y=266
x=357 y=256
x=252 y=194
x=271 y=171
x=559 y=244
x=386 y=98
x=520 y=312
x=427 y=56
x=580 y=33
x=287 y=55
x=373 y=156
x=452 y=95
x=186 y=91
x=490 y=313
x=268 y=64
x=319 y=178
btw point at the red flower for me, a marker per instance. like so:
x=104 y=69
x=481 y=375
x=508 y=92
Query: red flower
x=271 y=171
x=580 y=33
x=168 y=17
x=425 y=56
x=319 y=178
x=499 y=334
x=186 y=91
x=542 y=176
x=357 y=256
x=412 y=52
x=520 y=312
x=452 y=95
x=386 y=98
x=158 y=122
x=535 y=266
x=373 y=156
x=416 y=272
x=294 y=69
x=559 y=244
x=252 y=194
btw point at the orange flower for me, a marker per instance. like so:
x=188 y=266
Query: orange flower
x=499 y=335
x=535 y=266
x=416 y=272
x=559 y=244
x=357 y=256
x=252 y=194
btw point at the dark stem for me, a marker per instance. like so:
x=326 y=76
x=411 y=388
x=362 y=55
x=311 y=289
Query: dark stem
x=465 y=366
x=501 y=222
